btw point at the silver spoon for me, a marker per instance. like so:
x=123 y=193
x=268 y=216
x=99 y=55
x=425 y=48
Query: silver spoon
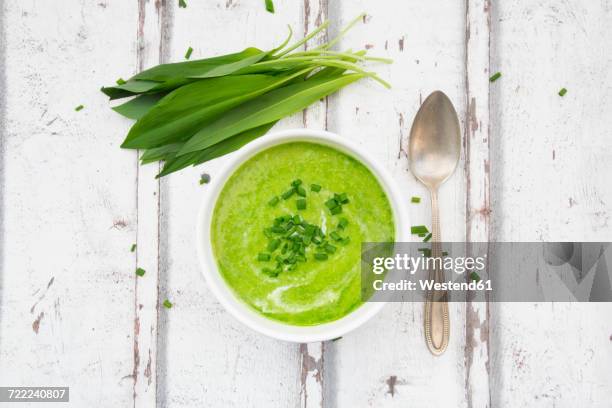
x=435 y=144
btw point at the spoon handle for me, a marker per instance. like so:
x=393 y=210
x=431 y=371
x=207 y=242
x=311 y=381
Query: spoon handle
x=437 y=324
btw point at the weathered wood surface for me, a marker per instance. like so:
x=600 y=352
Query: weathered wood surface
x=73 y=204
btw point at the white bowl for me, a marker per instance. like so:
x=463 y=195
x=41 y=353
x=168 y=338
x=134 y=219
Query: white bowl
x=225 y=295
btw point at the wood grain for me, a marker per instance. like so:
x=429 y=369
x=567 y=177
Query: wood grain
x=478 y=176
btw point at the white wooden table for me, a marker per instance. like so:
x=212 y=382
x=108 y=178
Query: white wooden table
x=535 y=166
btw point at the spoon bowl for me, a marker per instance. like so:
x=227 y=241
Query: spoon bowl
x=435 y=141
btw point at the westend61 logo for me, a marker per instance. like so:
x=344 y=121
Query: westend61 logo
x=494 y=271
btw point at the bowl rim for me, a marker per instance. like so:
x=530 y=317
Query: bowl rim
x=222 y=291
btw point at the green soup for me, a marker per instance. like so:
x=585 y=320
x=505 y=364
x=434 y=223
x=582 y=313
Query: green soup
x=314 y=290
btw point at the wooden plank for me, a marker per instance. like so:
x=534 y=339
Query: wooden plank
x=477 y=165
x=550 y=182
x=315 y=117
x=151 y=19
x=206 y=357
x=386 y=362
x=68 y=200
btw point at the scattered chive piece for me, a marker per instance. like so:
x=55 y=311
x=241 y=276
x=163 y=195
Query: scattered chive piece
x=78 y=108
x=315 y=187
x=342 y=198
x=495 y=77
x=423 y=234
x=418 y=229
x=474 y=276
x=121 y=81
x=188 y=53
x=287 y=194
x=320 y=256
x=204 y=178
x=182 y=4
x=331 y=203
x=415 y=200
x=296 y=182
x=336 y=210
x=140 y=271
x=337 y=338
x=334 y=235
x=167 y=304
x=301 y=204
x=330 y=249
x=262 y=256
x=562 y=92
x=426 y=252
x=345 y=241
x=300 y=191
x=444 y=253
x=343 y=223
x=273 y=201
x=270 y=6
x=272 y=245
x=427 y=238
x=133 y=248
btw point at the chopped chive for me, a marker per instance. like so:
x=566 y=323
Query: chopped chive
x=444 y=253
x=343 y=223
x=204 y=178
x=418 y=229
x=301 y=204
x=316 y=240
x=427 y=238
x=334 y=235
x=300 y=191
x=474 y=276
x=270 y=6
x=288 y=193
x=426 y=252
x=330 y=249
x=336 y=210
x=562 y=92
x=315 y=187
x=297 y=219
x=320 y=256
x=182 y=4
x=121 y=81
x=272 y=245
x=270 y=272
x=495 y=77
x=331 y=203
x=277 y=229
x=78 y=108
x=423 y=234
x=188 y=53
x=415 y=200
x=273 y=201
x=263 y=256
x=140 y=271
x=342 y=198
x=133 y=248
x=296 y=182
x=345 y=241
x=167 y=304
x=337 y=338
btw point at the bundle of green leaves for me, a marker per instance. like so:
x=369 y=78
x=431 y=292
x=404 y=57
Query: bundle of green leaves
x=190 y=112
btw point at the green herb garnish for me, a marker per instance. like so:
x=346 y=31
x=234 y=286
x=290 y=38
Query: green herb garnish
x=273 y=201
x=343 y=223
x=320 y=256
x=78 y=108
x=182 y=4
x=415 y=200
x=120 y=81
x=204 y=178
x=495 y=77
x=301 y=204
x=474 y=276
x=140 y=271
x=315 y=187
x=133 y=248
x=262 y=256
x=288 y=193
x=562 y=92
x=188 y=53
x=232 y=99
x=418 y=229
x=270 y=6
x=427 y=238
x=167 y=304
